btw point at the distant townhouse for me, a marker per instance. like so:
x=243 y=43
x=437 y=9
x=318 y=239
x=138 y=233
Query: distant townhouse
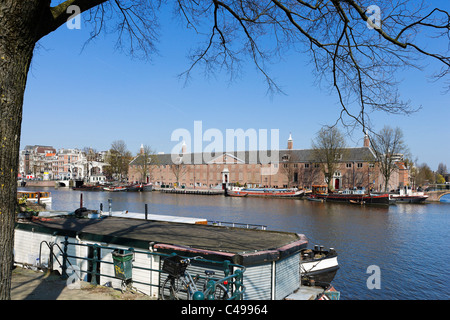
x=36 y=161
x=294 y=168
x=44 y=162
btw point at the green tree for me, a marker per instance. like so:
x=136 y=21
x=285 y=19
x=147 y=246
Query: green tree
x=439 y=179
x=352 y=47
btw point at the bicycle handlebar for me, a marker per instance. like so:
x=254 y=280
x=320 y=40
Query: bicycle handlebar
x=188 y=260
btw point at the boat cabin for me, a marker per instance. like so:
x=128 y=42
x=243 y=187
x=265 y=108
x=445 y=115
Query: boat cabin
x=319 y=189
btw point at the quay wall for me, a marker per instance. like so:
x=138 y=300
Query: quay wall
x=40 y=183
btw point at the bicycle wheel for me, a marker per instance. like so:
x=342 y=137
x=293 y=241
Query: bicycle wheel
x=220 y=292
x=173 y=289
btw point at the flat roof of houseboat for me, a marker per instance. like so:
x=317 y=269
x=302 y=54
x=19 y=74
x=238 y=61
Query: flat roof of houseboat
x=242 y=246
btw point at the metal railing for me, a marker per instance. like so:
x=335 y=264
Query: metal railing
x=233 y=280
x=238 y=225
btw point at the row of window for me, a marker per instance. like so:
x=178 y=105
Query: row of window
x=317 y=165
x=295 y=165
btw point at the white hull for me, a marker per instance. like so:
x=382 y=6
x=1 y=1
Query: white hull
x=314 y=266
x=319 y=271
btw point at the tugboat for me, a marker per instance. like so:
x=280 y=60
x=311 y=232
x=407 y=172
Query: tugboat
x=406 y=195
x=318 y=267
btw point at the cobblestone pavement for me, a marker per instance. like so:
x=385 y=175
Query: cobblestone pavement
x=36 y=285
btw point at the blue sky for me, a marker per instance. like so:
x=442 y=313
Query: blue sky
x=90 y=98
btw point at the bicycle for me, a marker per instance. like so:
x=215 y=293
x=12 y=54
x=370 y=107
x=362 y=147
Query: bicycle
x=180 y=283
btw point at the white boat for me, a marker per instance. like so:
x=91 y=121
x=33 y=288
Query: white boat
x=39 y=197
x=318 y=267
x=406 y=195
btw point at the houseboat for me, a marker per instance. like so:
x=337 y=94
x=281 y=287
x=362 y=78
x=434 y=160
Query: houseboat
x=38 y=197
x=349 y=196
x=264 y=192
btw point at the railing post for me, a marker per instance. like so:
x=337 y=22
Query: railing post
x=94 y=265
x=238 y=282
x=64 y=264
x=210 y=288
x=226 y=271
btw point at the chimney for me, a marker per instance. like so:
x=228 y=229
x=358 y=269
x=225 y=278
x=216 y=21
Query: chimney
x=290 y=142
x=366 y=141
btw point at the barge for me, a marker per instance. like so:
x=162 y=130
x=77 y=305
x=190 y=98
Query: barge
x=349 y=196
x=264 y=192
x=271 y=259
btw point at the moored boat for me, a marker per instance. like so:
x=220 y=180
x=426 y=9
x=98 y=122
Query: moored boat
x=88 y=187
x=353 y=196
x=318 y=267
x=408 y=196
x=38 y=197
x=147 y=187
x=264 y=192
x=115 y=189
x=135 y=187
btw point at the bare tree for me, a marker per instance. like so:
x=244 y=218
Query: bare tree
x=442 y=169
x=178 y=169
x=355 y=47
x=118 y=159
x=358 y=62
x=389 y=147
x=310 y=174
x=329 y=150
x=147 y=161
x=289 y=167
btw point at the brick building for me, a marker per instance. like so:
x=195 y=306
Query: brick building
x=294 y=168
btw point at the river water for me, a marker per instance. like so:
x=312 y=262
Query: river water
x=407 y=242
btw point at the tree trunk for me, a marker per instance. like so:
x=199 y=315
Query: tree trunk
x=19 y=21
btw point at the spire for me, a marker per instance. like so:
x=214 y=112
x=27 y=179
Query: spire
x=142 y=148
x=183 y=147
